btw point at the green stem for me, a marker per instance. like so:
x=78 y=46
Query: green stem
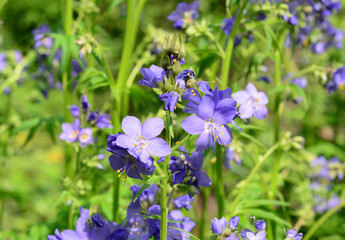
x=205 y=198
x=180 y=142
x=164 y=188
x=250 y=176
x=323 y=219
x=229 y=48
x=219 y=184
x=116 y=198
x=71 y=214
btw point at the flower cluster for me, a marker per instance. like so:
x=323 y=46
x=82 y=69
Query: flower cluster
x=323 y=173
x=223 y=229
x=74 y=132
x=92 y=226
x=315 y=29
x=143 y=216
x=48 y=72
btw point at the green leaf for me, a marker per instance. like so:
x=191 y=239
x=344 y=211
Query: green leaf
x=28 y=124
x=264 y=214
x=262 y=202
x=206 y=61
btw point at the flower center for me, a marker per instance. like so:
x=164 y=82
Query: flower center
x=342 y=86
x=84 y=136
x=140 y=143
x=75 y=134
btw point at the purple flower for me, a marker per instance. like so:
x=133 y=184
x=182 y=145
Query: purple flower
x=211 y=122
x=338 y=80
x=170 y=99
x=3 y=62
x=234 y=222
x=90 y=228
x=18 y=55
x=218 y=226
x=231 y=155
x=228 y=24
x=75 y=111
x=187 y=169
x=131 y=166
x=85 y=102
x=141 y=139
x=183 y=201
x=70 y=131
x=265 y=79
x=40 y=38
x=293 y=235
x=252 y=102
x=185 y=14
x=260 y=225
x=183 y=77
x=300 y=82
x=85 y=137
x=152 y=76
x=7 y=90
x=103 y=121
x=256 y=236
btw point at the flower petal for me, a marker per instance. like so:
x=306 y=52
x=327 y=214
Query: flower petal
x=204 y=141
x=197 y=160
x=203 y=179
x=158 y=147
x=260 y=112
x=152 y=127
x=206 y=107
x=117 y=162
x=193 y=125
x=131 y=126
x=125 y=141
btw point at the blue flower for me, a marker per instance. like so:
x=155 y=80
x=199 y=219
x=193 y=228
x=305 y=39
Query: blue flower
x=260 y=225
x=228 y=24
x=85 y=102
x=40 y=38
x=170 y=99
x=75 y=111
x=218 y=226
x=231 y=155
x=103 y=121
x=211 y=122
x=293 y=235
x=152 y=76
x=3 y=61
x=252 y=103
x=337 y=81
x=85 y=137
x=70 y=131
x=91 y=228
x=185 y=14
x=141 y=139
x=183 y=201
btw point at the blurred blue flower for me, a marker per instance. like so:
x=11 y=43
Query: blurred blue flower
x=184 y=14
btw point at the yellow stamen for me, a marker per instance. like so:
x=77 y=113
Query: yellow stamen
x=213 y=160
x=141 y=137
x=177 y=142
x=222 y=125
x=215 y=128
x=213 y=81
x=193 y=94
x=135 y=145
x=174 y=60
x=137 y=223
x=188 y=74
x=138 y=233
x=221 y=133
x=175 y=106
x=185 y=162
x=118 y=171
x=216 y=137
x=133 y=226
x=213 y=134
x=192 y=90
x=187 y=202
x=257 y=99
x=342 y=86
x=119 y=175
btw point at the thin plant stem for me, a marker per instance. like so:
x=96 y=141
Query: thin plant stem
x=205 y=197
x=219 y=181
x=164 y=188
x=322 y=220
x=250 y=176
x=229 y=48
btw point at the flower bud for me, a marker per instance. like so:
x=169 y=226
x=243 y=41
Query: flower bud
x=176 y=68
